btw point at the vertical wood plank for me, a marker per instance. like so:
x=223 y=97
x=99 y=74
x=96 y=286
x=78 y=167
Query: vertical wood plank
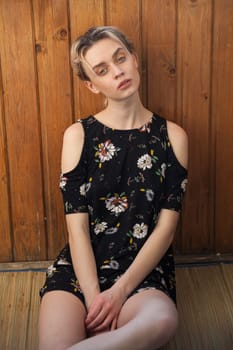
x=222 y=113
x=193 y=94
x=159 y=47
x=23 y=136
x=5 y=229
x=54 y=82
x=126 y=15
x=159 y=40
x=6 y=307
x=203 y=303
x=83 y=15
x=32 y=327
x=15 y=309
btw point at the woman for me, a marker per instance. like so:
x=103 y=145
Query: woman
x=123 y=179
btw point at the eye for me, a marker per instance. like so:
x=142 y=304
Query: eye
x=101 y=71
x=121 y=58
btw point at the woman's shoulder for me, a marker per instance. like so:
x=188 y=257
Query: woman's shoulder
x=75 y=130
x=179 y=141
x=73 y=141
x=176 y=132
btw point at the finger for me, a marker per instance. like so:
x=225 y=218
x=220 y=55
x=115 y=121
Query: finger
x=100 y=318
x=93 y=312
x=114 y=324
x=104 y=326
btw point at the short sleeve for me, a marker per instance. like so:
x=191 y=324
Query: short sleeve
x=176 y=178
x=73 y=185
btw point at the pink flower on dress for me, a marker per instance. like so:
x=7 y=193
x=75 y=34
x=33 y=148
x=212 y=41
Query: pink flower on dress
x=106 y=150
x=117 y=204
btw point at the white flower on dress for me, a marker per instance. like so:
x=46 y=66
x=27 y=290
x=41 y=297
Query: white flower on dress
x=63 y=262
x=84 y=188
x=146 y=127
x=184 y=184
x=163 y=169
x=161 y=172
x=100 y=227
x=106 y=151
x=111 y=230
x=110 y=264
x=140 y=230
x=117 y=204
x=50 y=271
x=150 y=195
x=145 y=162
x=63 y=182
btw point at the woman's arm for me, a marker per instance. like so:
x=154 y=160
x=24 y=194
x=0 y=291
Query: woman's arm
x=151 y=252
x=78 y=223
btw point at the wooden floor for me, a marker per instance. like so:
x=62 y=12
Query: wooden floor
x=205 y=304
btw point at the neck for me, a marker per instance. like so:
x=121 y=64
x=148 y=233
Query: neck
x=127 y=114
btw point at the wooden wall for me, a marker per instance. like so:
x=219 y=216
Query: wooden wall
x=185 y=49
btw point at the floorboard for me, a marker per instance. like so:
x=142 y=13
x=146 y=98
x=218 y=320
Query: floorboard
x=204 y=300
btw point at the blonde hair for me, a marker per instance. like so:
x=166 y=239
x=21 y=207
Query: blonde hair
x=88 y=39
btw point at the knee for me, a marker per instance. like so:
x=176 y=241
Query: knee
x=168 y=323
x=164 y=328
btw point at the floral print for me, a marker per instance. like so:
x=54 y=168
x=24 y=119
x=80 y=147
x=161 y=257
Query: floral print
x=149 y=195
x=117 y=204
x=184 y=184
x=123 y=180
x=101 y=227
x=63 y=181
x=144 y=162
x=140 y=230
x=161 y=172
x=105 y=151
x=84 y=188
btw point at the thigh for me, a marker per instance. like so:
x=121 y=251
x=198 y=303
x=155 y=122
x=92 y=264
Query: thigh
x=153 y=307
x=61 y=321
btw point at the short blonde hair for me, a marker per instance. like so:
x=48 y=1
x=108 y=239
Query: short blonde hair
x=88 y=39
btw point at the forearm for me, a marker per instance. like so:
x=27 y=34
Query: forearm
x=149 y=255
x=83 y=260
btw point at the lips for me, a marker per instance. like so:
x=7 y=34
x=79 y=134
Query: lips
x=124 y=84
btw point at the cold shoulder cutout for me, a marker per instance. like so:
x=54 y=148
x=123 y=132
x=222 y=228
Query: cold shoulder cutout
x=179 y=142
x=73 y=144
x=73 y=182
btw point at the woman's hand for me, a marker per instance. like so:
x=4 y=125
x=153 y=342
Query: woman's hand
x=103 y=312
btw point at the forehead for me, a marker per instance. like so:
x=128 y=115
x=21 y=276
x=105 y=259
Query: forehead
x=102 y=51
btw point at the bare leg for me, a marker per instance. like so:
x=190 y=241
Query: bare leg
x=61 y=322
x=147 y=321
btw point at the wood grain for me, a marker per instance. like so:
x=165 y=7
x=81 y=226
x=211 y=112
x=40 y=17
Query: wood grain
x=126 y=15
x=204 y=301
x=193 y=107
x=83 y=15
x=185 y=59
x=5 y=215
x=23 y=134
x=55 y=93
x=222 y=112
x=159 y=41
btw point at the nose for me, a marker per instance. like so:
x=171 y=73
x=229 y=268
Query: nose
x=117 y=71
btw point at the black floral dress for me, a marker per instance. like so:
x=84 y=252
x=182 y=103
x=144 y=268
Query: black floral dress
x=123 y=179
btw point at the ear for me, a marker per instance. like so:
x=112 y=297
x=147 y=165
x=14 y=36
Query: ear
x=135 y=59
x=91 y=86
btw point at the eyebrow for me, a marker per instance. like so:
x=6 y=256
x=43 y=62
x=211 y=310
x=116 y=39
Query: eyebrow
x=115 y=53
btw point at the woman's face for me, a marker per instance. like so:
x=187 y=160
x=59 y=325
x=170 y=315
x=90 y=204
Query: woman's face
x=112 y=70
